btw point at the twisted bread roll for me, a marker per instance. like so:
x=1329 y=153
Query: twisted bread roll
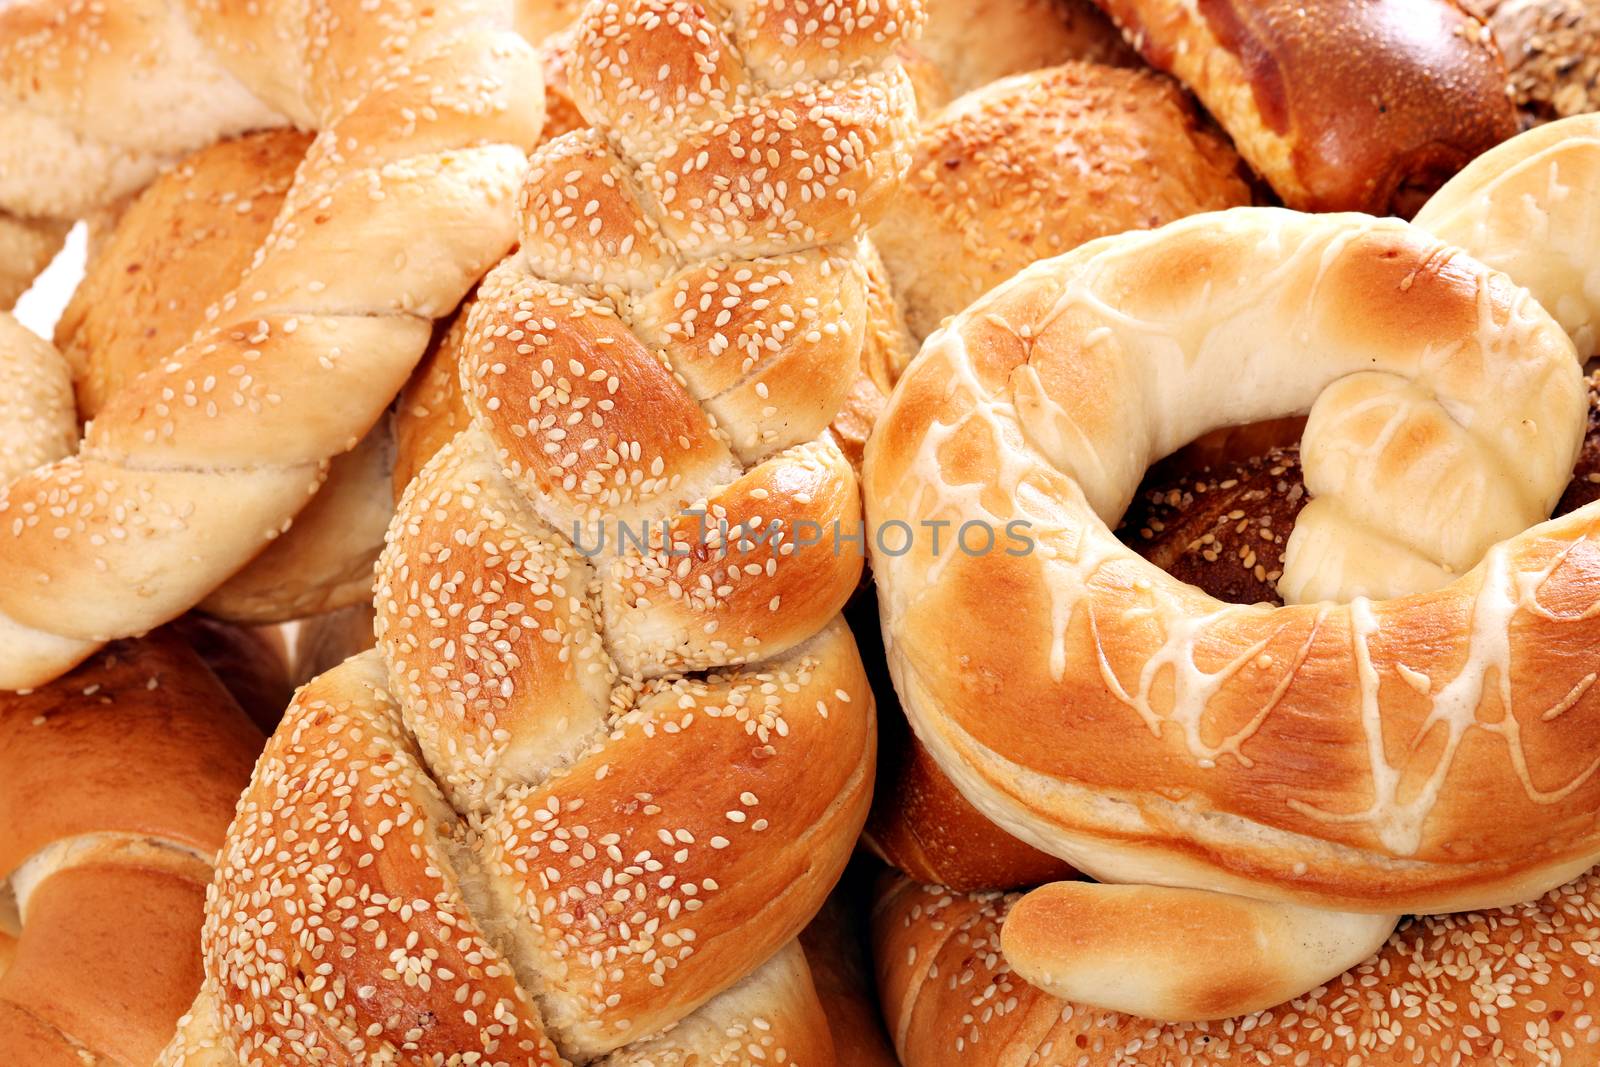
x=1339 y=106
x=1405 y=851
x=425 y=111
x=116 y=783
x=182 y=245
x=604 y=781
x=1511 y=987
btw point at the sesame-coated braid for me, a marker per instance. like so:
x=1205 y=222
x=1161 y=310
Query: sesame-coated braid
x=425 y=111
x=595 y=777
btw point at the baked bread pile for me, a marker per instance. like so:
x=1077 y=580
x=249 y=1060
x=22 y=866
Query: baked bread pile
x=191 y=470
x=561 y=897
x=1194 y=751
x=552 y=368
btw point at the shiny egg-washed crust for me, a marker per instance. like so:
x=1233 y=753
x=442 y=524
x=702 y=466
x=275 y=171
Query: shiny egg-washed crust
x=177 y=249
x=1340 y=106
x=1221 y=528
x=1417 y=714
x=1512 y=987
x=116 y=785
x=624 y=777
x=424 y=113
x=1523 y=208
x=1037 y=164
x=921 y=824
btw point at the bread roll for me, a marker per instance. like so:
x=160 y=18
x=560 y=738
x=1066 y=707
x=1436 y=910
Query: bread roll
x=1032 y=166
x=1509 y=987
x=116 y=784
x=607 y=786
x=1340 y=106
x=150 y=284
x=966 y=46
x=424 y=114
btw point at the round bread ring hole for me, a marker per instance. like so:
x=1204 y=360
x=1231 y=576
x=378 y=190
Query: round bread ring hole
x=1153 y=734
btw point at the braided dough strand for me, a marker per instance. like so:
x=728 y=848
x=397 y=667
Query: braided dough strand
x=606 y=772
x=425 y=112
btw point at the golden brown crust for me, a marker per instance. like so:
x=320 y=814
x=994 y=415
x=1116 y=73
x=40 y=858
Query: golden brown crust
x=1061 y=643
x=208 y=456
x=179 y=247
x=1507 y=987
x=608 y=785
x=1339 y=106
x=1035 y=165
x=116 y=784
x=137 y=707
x=922 y=825
x=110 y=958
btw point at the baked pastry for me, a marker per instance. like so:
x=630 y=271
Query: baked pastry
x=606 y=786
x=1245 y=763
x=179 y=247
x=1508 y=987
x=116 y=784
x=1034 y=165
x=1552 y=48
x=425 y=112
x=1339 y=106
x=966 y=46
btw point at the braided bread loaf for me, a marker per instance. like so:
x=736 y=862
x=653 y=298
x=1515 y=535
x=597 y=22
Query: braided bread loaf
x=425 y=111
x=1221 y=748
x=116 y=783
x=582 y=795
